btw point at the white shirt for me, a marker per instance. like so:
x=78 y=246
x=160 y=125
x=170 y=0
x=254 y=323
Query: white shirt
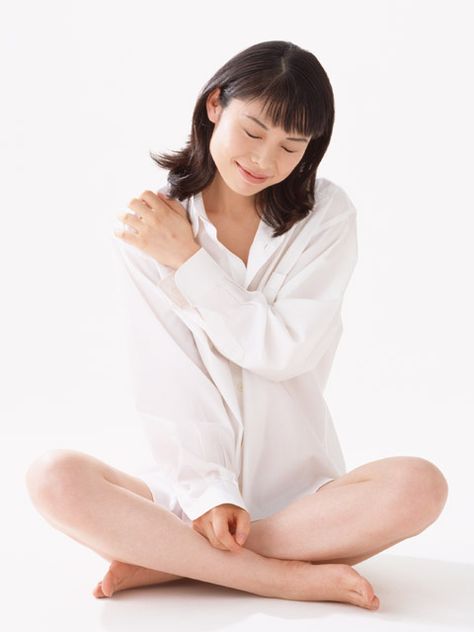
x=229 y=362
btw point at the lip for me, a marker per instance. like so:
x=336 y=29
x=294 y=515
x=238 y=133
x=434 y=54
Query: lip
x=249 y=176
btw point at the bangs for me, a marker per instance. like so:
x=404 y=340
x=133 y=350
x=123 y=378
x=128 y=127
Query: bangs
x=287 y=109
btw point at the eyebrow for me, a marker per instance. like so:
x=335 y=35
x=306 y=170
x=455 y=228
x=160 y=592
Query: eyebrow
x=299 y=140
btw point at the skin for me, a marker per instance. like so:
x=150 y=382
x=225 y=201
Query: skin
x=229 y=195
x=303 y=552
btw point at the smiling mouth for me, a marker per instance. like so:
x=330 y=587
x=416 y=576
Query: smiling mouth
x=252 y=175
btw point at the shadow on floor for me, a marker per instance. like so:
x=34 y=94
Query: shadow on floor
x=412 y=591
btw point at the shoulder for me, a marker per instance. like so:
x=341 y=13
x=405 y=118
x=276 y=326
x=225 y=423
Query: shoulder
x=164 y=188
x=333 y=215
x=332 y=203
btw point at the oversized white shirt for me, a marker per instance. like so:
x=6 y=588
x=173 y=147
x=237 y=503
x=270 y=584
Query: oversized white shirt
x=229 y=362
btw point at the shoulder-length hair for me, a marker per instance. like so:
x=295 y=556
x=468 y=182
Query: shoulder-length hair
x=297 y=96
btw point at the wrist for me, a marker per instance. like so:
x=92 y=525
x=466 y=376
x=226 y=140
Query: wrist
x=189 y=254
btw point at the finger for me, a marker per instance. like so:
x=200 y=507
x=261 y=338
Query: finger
x=204 y=528
x=125 y=235
x=200 y=529
x=165 y=196
x=221 y=529
x=174 y=204
x=140 y=207
x=130 y=219
x=195 y=525
x=155 y=202
x=145 y=202
x=201 y=533
x=242 y=528
x=150 y=198
x=211 y=536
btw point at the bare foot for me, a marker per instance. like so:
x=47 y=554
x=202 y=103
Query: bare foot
x=328 y=582
x=121 y=576
x=304 y=582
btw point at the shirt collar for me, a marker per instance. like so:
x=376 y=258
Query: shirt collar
x=197 y=210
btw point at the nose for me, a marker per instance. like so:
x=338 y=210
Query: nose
x=262 y=164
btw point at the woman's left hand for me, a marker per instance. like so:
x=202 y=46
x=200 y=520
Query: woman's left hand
x=161 y=229
x=226 y=526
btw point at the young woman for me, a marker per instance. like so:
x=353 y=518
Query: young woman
x=234 y=282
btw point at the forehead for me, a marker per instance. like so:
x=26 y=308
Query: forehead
x=253 y=108
x=252 y=111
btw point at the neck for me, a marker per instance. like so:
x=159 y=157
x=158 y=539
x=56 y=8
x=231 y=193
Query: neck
x=220 y=200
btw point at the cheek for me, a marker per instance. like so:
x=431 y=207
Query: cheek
x=238 y=145
x=220 y=147
x=286 y=167
x=227 y=144
x=292 y=163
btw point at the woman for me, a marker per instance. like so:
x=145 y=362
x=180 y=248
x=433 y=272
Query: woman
x=234 y=299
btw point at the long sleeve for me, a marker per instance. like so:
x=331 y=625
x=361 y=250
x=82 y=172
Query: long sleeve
x=283 y=339
x=191 y=435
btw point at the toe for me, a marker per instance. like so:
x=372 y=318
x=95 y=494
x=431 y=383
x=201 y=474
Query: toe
x=360 y=600
x=108 y=586
x=98 y=592
x=364 y=588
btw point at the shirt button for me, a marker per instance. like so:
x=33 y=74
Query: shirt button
x=239 y=386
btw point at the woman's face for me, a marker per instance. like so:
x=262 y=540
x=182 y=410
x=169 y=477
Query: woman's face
x=242 y=136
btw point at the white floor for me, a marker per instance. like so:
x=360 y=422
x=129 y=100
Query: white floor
x=47 y=581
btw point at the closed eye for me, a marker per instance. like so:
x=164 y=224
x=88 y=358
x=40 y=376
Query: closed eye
x=290 y=152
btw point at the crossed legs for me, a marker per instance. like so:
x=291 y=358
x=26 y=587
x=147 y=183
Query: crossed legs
x=346 y=521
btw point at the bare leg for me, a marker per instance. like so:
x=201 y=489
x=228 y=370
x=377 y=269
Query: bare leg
x=120 y=575
x=69 y=490
x=355 y=516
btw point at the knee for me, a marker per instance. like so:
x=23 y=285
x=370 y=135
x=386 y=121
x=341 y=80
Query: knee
x=422 y=491
x=52 y=479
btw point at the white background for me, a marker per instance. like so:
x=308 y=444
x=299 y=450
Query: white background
x=89 y=88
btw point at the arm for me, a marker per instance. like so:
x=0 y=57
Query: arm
x=281 y=340
x=191 y=435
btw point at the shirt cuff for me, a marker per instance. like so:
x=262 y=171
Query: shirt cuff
x=193 y=280
x=216 y=493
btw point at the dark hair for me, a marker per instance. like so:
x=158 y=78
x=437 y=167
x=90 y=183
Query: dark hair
x=300 y=99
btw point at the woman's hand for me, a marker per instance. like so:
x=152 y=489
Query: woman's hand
x=161 y=229
x=220 y=524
